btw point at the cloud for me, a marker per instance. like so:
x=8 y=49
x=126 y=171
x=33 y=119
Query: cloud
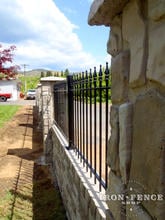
x=43 y=35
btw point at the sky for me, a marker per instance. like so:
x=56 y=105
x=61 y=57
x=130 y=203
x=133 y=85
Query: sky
x=53 y=34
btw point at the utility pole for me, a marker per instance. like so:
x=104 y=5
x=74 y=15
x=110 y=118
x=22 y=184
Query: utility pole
x=25 y=85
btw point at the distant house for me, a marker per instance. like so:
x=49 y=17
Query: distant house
x=10 y=86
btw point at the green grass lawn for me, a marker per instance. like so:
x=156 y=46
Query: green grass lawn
x=7 y=112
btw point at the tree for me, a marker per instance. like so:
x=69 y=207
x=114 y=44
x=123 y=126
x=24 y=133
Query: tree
x=42 y=74
x=48 y=73
x=62 y=73
x=6 y=56
x=66 y=72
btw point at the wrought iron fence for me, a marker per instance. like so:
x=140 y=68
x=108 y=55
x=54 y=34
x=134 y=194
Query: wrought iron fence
x=88 y=104
x=61 y=107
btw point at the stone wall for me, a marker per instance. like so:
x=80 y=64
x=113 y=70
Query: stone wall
x=81 y=197
x=136 y=153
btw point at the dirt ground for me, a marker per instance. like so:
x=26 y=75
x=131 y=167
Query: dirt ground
x=26 y=188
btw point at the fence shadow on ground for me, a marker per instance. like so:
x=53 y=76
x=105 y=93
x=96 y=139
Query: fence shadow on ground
x=34 y=195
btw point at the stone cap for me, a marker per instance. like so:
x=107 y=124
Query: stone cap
x=52 y=78
x=102 y=12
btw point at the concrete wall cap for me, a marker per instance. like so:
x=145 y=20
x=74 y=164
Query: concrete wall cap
x=102 y=12
x=52 y=78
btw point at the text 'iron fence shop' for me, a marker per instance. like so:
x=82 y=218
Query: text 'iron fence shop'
x=88 y=104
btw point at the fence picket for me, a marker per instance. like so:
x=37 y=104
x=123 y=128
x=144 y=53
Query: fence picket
x=88 y=127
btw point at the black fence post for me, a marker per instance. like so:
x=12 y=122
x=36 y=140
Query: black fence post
x=70 y=112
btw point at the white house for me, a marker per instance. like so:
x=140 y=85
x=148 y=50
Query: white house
x=10 y=86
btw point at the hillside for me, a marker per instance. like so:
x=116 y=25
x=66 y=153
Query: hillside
x=35 y=72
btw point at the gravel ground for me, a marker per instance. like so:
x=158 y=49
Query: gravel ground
x=19 y=102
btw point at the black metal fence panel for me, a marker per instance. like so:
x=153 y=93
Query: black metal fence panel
x=61 y=107
x=92 y=96
x=83 y=115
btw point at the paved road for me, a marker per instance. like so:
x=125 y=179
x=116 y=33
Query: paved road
x=18 y=102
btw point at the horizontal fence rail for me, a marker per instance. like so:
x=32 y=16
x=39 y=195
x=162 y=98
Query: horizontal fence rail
x=82 y=109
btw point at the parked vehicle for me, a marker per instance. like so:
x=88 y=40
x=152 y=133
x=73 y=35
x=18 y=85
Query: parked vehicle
x=31 y=94
x=5 y=96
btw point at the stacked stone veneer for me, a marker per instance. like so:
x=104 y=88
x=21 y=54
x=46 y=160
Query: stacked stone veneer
x=81 y=197
x=45 y=104
x=136 y=152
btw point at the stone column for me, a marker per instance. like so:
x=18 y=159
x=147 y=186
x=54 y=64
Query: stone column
x=38 y=110
x=47 y=103
x=136 y=152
